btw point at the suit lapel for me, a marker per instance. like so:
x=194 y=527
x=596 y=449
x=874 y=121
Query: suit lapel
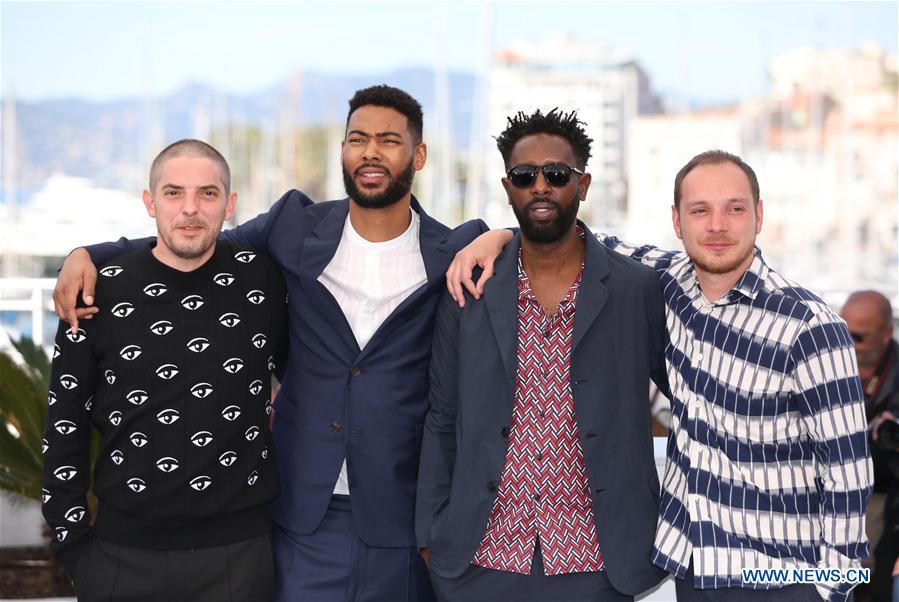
x=318 y=250
x=432 y=241
x=501 y=297
x=593 y=293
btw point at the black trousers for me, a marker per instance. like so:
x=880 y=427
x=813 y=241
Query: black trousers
x=237 y=572
x=686 y=592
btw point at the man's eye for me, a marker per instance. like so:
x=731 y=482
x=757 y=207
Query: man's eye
x=162 y=327
x=155 y=289
x=198 y=344
x=245 y=256
x=130 y=352
x=259 y=340
x=229 y=319
x=169 y=416
x=201 y=438
x=167 y=371
x=200 y=483
x=75 y=514
x=228 y=458
x=115 y=417
x=136 y=485
x=65 y=473
x=111 y=271
x=233 y=365
x=68 y=382
x=138 y=439
x=192 y=302
x=65 y=427
x=122 y=310
x=255 y=297
x=223 y=279
x=201 y=390
x=252 y=433
x=255 y=387
x=76 y=337
x=167 y=464
x=231 y=413
x=137 y=397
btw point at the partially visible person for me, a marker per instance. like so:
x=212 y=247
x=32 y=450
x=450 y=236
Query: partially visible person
x=768 y=463
x=869 y=317
x=174 y=372
x=537 y=478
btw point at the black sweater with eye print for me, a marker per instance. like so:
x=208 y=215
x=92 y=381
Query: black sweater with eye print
x=174 y=372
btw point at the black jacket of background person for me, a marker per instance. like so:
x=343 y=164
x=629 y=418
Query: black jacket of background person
x=338 y=401
x=618 y=344
x=174 y=372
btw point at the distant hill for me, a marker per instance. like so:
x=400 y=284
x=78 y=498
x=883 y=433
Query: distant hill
x=111 y=142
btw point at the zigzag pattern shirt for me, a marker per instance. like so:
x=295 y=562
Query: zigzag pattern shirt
x=543 y=492
x=768 y=463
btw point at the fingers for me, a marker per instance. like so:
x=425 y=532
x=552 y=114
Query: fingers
x=452 y=283
x=486 y=274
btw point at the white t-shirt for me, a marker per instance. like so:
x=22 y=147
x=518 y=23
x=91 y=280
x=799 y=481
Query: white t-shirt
x=369 y=280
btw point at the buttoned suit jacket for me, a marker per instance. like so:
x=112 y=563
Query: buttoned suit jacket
x=617 y=345
x=336 y=400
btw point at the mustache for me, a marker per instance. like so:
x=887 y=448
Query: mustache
x=386 y=171
x=727 y=241
x=544 y=200
x=190 y=223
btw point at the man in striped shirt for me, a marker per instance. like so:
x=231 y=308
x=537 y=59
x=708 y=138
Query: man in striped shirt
x=768 y=463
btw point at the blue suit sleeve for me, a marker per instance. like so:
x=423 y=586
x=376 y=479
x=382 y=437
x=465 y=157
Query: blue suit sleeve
x=438 y=449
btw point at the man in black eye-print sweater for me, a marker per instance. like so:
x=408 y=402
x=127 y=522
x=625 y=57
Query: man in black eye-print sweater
x=174 y=372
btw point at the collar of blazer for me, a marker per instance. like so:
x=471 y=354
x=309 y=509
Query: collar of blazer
x=501 y=296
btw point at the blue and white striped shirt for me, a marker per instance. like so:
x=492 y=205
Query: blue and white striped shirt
x=768 y=462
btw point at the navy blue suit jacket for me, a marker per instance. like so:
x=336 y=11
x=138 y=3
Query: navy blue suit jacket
x=338 y=401
x=618 y=344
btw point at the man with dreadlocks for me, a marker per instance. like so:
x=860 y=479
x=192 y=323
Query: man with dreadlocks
x=538 y=426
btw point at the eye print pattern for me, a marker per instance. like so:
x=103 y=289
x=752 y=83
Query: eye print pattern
x=156 y=289
x=111 y=271
x=122 y=310
x=223 y=279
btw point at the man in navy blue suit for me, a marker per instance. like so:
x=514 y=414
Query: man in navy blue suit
x=364 y=276
x=537 y=479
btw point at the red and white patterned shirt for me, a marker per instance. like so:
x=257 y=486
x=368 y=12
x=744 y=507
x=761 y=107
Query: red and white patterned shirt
x=543 y=491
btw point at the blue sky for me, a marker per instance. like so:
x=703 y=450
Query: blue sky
x=709 y=51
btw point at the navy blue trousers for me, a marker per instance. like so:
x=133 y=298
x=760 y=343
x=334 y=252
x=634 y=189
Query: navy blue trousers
x=333 y=565
x=478 y=584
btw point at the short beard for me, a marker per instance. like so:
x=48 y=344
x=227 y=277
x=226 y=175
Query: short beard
x=549 y=233
x=398 y=188
x=723 y=268
x=188 y=251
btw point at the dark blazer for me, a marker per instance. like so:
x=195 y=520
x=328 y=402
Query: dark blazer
x=618 y=343
x=338 y=401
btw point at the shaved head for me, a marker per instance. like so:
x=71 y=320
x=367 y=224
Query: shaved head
x=869 y=317
x=190 y=148
x=873 y=303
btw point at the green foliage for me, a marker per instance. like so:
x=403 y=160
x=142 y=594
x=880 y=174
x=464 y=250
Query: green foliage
x=23 y=409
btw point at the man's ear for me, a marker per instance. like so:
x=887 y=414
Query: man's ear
x=148 y=203
x=675 y=220
x=231 y=204
x=419 y=156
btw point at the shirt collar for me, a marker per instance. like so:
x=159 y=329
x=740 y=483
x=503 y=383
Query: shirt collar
x=524 y=283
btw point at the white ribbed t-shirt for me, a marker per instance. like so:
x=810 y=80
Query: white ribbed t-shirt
x=369 y=280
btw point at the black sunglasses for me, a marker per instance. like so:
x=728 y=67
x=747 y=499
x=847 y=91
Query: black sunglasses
x=556 y=175
x=858 y=337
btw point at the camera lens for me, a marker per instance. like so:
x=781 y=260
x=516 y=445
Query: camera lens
x=888 y=435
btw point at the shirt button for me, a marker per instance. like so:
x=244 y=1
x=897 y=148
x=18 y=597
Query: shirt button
x=504 y=433
x=491 y=486
x=356 y=371
x=699 y=357
x=335 y=427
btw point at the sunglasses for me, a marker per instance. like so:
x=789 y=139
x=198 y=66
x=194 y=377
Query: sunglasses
x=556 y=175
x=858 y=337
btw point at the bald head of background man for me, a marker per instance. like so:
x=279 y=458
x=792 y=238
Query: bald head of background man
x=869 y=316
